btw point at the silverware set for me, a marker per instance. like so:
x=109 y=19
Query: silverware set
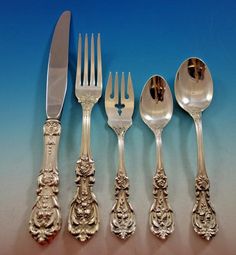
x=193 y=91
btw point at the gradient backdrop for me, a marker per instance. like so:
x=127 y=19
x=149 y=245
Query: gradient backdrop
x=143 y=37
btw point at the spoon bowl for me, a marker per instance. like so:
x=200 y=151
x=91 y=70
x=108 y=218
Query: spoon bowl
x=193 y=86
x=156 y=103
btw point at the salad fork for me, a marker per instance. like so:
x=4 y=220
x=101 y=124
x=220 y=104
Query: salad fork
x=83 y=220
x=119 y=111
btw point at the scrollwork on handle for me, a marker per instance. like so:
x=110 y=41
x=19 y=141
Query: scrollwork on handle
x=122 y=215
x=161 y=215
x=45 y=219
x=83 y=219
x=204 y=216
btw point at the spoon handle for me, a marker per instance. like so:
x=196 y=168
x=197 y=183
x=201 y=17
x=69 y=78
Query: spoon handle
x=161 y=218
x=203 y=215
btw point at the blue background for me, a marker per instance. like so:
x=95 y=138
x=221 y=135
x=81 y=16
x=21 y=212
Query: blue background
x=145 y=38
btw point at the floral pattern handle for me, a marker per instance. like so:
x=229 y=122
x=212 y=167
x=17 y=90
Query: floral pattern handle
x=161 y=217
x=204 y=216
x=45 y=220
x=83 y=220
x=122 y=221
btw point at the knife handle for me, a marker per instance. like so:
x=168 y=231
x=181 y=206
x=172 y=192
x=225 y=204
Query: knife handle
x=45 y=220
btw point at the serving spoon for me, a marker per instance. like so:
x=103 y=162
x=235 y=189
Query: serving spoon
x=194 y=92
x=156 y=108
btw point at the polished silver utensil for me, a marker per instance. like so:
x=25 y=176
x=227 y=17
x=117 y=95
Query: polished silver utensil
x=194 y=92
x=45 y=219
x=156 y=108
x=119 y=110
x=83 y=219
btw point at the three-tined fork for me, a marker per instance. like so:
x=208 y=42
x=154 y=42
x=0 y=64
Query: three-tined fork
x=122 y=220
x=83 y=219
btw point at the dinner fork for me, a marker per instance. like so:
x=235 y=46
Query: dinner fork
x=119 y=111
x=83 y=219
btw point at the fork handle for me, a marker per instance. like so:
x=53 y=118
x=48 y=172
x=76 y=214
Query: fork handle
x=83 y=221
x=85 y=142
x=122 y=221
x=45 y=220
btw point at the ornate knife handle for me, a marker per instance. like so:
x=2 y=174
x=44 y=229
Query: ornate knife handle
x=45 y=220
x=161 y=218
x=204 y=216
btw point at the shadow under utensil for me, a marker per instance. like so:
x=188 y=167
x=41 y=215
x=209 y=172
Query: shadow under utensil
x=152 y=243
x=198 y=244
x=119 y=246
x=185 y=125
x=71 y=244
x=217 y=245
x=112 y=162
x=92 y=246
x=73 y=126
x=147 y=149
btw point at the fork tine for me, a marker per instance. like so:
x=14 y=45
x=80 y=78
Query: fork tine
x=116 y=89
x=99 y=62
x=78 y=71
x=85 y=81
x=109 y=88
x=130 y=88
x=122 y=88
x=92 y=71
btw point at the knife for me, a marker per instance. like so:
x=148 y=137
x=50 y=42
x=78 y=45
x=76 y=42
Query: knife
x=45 y=220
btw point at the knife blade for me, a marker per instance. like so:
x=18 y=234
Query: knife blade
x=57 y=67
x=45 y=219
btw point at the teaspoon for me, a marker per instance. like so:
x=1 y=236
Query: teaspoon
x=156 y=108
x=194 y=92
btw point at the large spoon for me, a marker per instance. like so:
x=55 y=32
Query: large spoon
x=156 y=108
x=194 y=91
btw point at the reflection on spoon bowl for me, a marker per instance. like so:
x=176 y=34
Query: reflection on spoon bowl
x=156 y=103
x=193 y=85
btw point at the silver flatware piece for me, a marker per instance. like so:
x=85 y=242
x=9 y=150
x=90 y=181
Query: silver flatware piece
x=119 y=109
x=83 y=221
x=45 y=219
x=194 y=92
x=156 y=108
